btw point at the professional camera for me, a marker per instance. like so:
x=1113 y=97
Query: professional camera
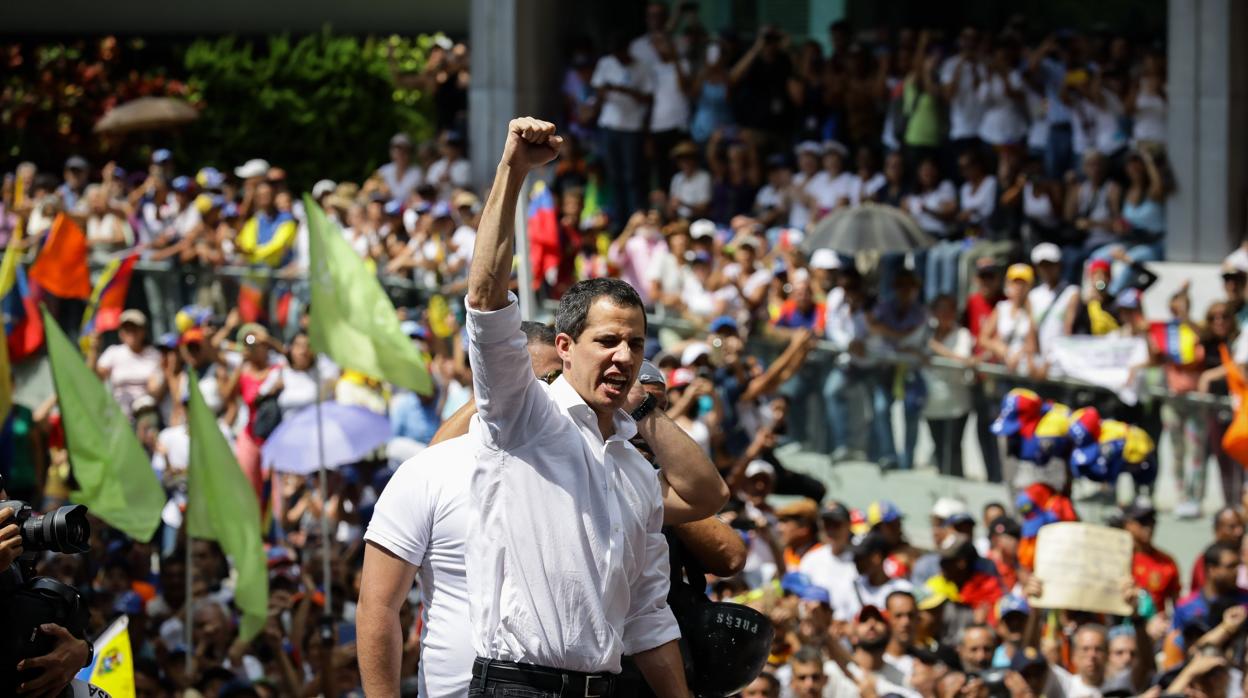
x=62 y=531
x=26 y=601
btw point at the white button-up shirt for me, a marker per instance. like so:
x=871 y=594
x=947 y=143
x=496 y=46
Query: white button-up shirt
x=567 y=567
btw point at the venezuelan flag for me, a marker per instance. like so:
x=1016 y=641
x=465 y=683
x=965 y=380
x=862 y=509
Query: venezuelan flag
x=1178 y=341
x=103 y=311
x=23 y=325
x=544 y=248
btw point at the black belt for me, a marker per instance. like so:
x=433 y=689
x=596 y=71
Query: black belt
x=568 y=684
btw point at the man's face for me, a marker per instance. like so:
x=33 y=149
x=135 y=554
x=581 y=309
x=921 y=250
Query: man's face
x=1141 y=530
x=603 y=362
x=837 y=532
x=264 y=195
x=871 y=632
x=1049 y=272
x=1121 y=652
x=939 y=530
x=868 y=564
x=1225 y=573
x=793 y=531
x=1234 y=285
x=808 y=680
x=976 y=649
x=1229 y=528
x=903 y=615
x=1005 y=544
x=1011 y=627
x=1090 y=655
x=759 y=688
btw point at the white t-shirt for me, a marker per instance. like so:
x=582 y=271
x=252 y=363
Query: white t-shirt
x=827 y=570
x=694 y=190
x=448 y=176
x=919 y=206
x=981 y=201
x=830 y=190
x=129 y=372
x=642 y=50
x=1048 y=311
x=861 y=190
x=965 y=109
x=670 y=274
x=850 y=595
x=422 y=517
x=1002 y=122
x=799 y=215
x=670 y=111
x=400 y=184
x=621 y=112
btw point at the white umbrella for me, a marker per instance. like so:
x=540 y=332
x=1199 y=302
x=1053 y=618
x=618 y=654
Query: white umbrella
x=351 y=433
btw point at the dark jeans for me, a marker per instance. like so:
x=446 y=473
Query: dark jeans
x=947 y=442
x=987 y=405
x=621 y=158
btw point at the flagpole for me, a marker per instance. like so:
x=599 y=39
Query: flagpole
x=524 y=274
x=324 y=484
x=190 y=575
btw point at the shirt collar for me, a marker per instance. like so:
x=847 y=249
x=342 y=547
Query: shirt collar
x=571 y=402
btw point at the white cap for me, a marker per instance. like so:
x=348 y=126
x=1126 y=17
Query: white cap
x=701 y=228
x=1046 y=252
x=823 y=258
x=254 y=167
x=760 y=467
x=836 y=147
x=142 y=402
x=948 y=506
x=693 y=352
x=809 y=147
x=322 y=188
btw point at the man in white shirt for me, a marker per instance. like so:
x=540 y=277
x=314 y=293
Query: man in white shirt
x=871 y=586
x=690 y=194
x=400 y=175
x=669 y=112
x=451 y=171
x=960 y=76
x=623 y=89
x=567 y=566
x=1050 y=300
x=833 y=562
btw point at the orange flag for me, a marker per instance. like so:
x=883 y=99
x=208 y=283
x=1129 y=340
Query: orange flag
x=61 y=268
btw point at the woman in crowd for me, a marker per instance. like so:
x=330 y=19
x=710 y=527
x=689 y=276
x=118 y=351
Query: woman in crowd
x=126 y=367
x=1008 y=336
x=298 y=376
x=1092 y=206
x=711 y=89
x=255 y=379
x=1142 y=228
x=948 y=390
x=1220 y=332
x=934 y=206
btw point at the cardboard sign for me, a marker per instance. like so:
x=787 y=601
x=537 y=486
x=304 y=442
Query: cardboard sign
x=1083 y=567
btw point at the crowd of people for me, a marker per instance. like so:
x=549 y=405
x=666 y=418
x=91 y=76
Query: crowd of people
x=696 y=165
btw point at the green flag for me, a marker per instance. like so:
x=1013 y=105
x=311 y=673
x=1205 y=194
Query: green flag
x=352 y=319
x=114 y=474
x=221 y=505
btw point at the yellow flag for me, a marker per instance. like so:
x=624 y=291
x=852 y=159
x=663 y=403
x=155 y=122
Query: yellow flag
x=8 y=267
x=113 y=670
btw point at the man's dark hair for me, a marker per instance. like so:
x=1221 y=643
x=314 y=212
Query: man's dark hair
x=773 y=684
x=538 y=333
x=1218 y=516
x=1213 y=554
x=888 y=599
x=574 y=307
x=807 y=655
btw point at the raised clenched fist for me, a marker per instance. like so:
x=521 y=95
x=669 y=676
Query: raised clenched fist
x=530 y=143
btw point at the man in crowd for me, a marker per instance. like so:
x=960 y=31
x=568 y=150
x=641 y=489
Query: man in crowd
x=1228 y=528
x=834 y=560
x=548 y=613
x=872 y=585
x=1152 y=569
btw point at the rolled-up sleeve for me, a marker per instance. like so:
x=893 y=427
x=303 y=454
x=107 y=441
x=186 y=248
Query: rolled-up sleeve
x=506 y=392
x=650 y=622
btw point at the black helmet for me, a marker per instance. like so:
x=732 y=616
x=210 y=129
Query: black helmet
x=728 y=644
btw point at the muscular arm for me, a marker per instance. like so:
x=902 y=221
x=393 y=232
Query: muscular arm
x=714 y=544
x=694 y=490
x=379 y=638
x=664 y=670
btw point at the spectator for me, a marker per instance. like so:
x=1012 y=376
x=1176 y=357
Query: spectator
x=1219 y=335
x=833 y=561
x=798 y=531
x=775 y=199
x=1147 y=104
x=401 y=176
x=1092 y=206
x=948 y=392
x=1004 y=534
x=975 y=648
x=690 y=193
x=977 y=202
x=1142 y=229
x=1219 y=592
x=669 y=113
x=847 y=381
x=1003 y=123
x=127 y=367
x=934 y=206
x=1008 y=336
x=804 y=208
x=960 y=76
x=832 y=188
x=107 y=233
x=871 y=586
x=640 y=247
x=1153 y=570
x=624 y=91
x=712 y=111
x=451 y=171
x=764 y=102
x=254 y=379
x=1228 y=529
x=1051 y=299
x=921 y=102
x=75 y=182
x=268 y=237
x=735 y=178
x=898 y=331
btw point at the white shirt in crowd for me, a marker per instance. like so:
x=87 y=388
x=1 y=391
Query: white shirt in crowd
x=826 y=569
x=799 y=215
x=400 y=184
x=830 y=191
x=850 y=594
x=690 y=190
x=128 y=372
x=1003 y=121
x=422 y=517
x=921 y=205
x=965 y=109
x=567 y=564
x=981 y=201
x=670 y=111
x=861 y=189
x=621 y=112
x=448 y=176
x=1049 y=305
x=948 y=392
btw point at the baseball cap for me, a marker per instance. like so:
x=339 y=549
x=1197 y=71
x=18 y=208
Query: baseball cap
x=210 y=178
x=182 y=184
x=680 y=378
x=826 y=259
x=1141 y=511
x=1098 y=265
x=76 y=162
x=1046 y=252
x=814 y=592
x=1027 y=658
x=835 y=511
x=759 y=467
x=1085 y=435
x=873 y=542
x=441 y=210
x=835 y=147
x=957 y=547
x=946 y=507
x=1020 y=272
x=701 y=228
x=811 y=147
x=693 y=352
x=142 y=403
x=465 y=199
x=986 y=265
x=414 y=329
x=650 y=375
x=1004 y=525
x=192 y=335
x=393 y=207
x=1020 y=410
x=161 y=155
x=794 y=582
x=698 y=257
x=803 y=508
x=254 y=167
x=133 y=316
x=129 y=603
x=882 y=511
x=323 y=187
x=960 y=519
x=871 y=610
x=1012 y=603
x=723 y=322
x=168 y=340
x=400 y=140
x=685 y=149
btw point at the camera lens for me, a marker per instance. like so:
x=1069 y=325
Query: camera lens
x=65 y=530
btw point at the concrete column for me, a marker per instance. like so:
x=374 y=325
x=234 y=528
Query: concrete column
x=1208 y=146
x=516 y=49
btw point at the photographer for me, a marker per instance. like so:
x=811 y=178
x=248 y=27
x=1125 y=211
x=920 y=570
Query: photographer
x=51 y=672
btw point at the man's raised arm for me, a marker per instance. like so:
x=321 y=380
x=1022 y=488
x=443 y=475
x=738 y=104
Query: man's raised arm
x=530 y=143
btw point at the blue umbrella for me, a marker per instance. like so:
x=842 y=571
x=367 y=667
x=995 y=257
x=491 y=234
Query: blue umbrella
x=351 y=433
